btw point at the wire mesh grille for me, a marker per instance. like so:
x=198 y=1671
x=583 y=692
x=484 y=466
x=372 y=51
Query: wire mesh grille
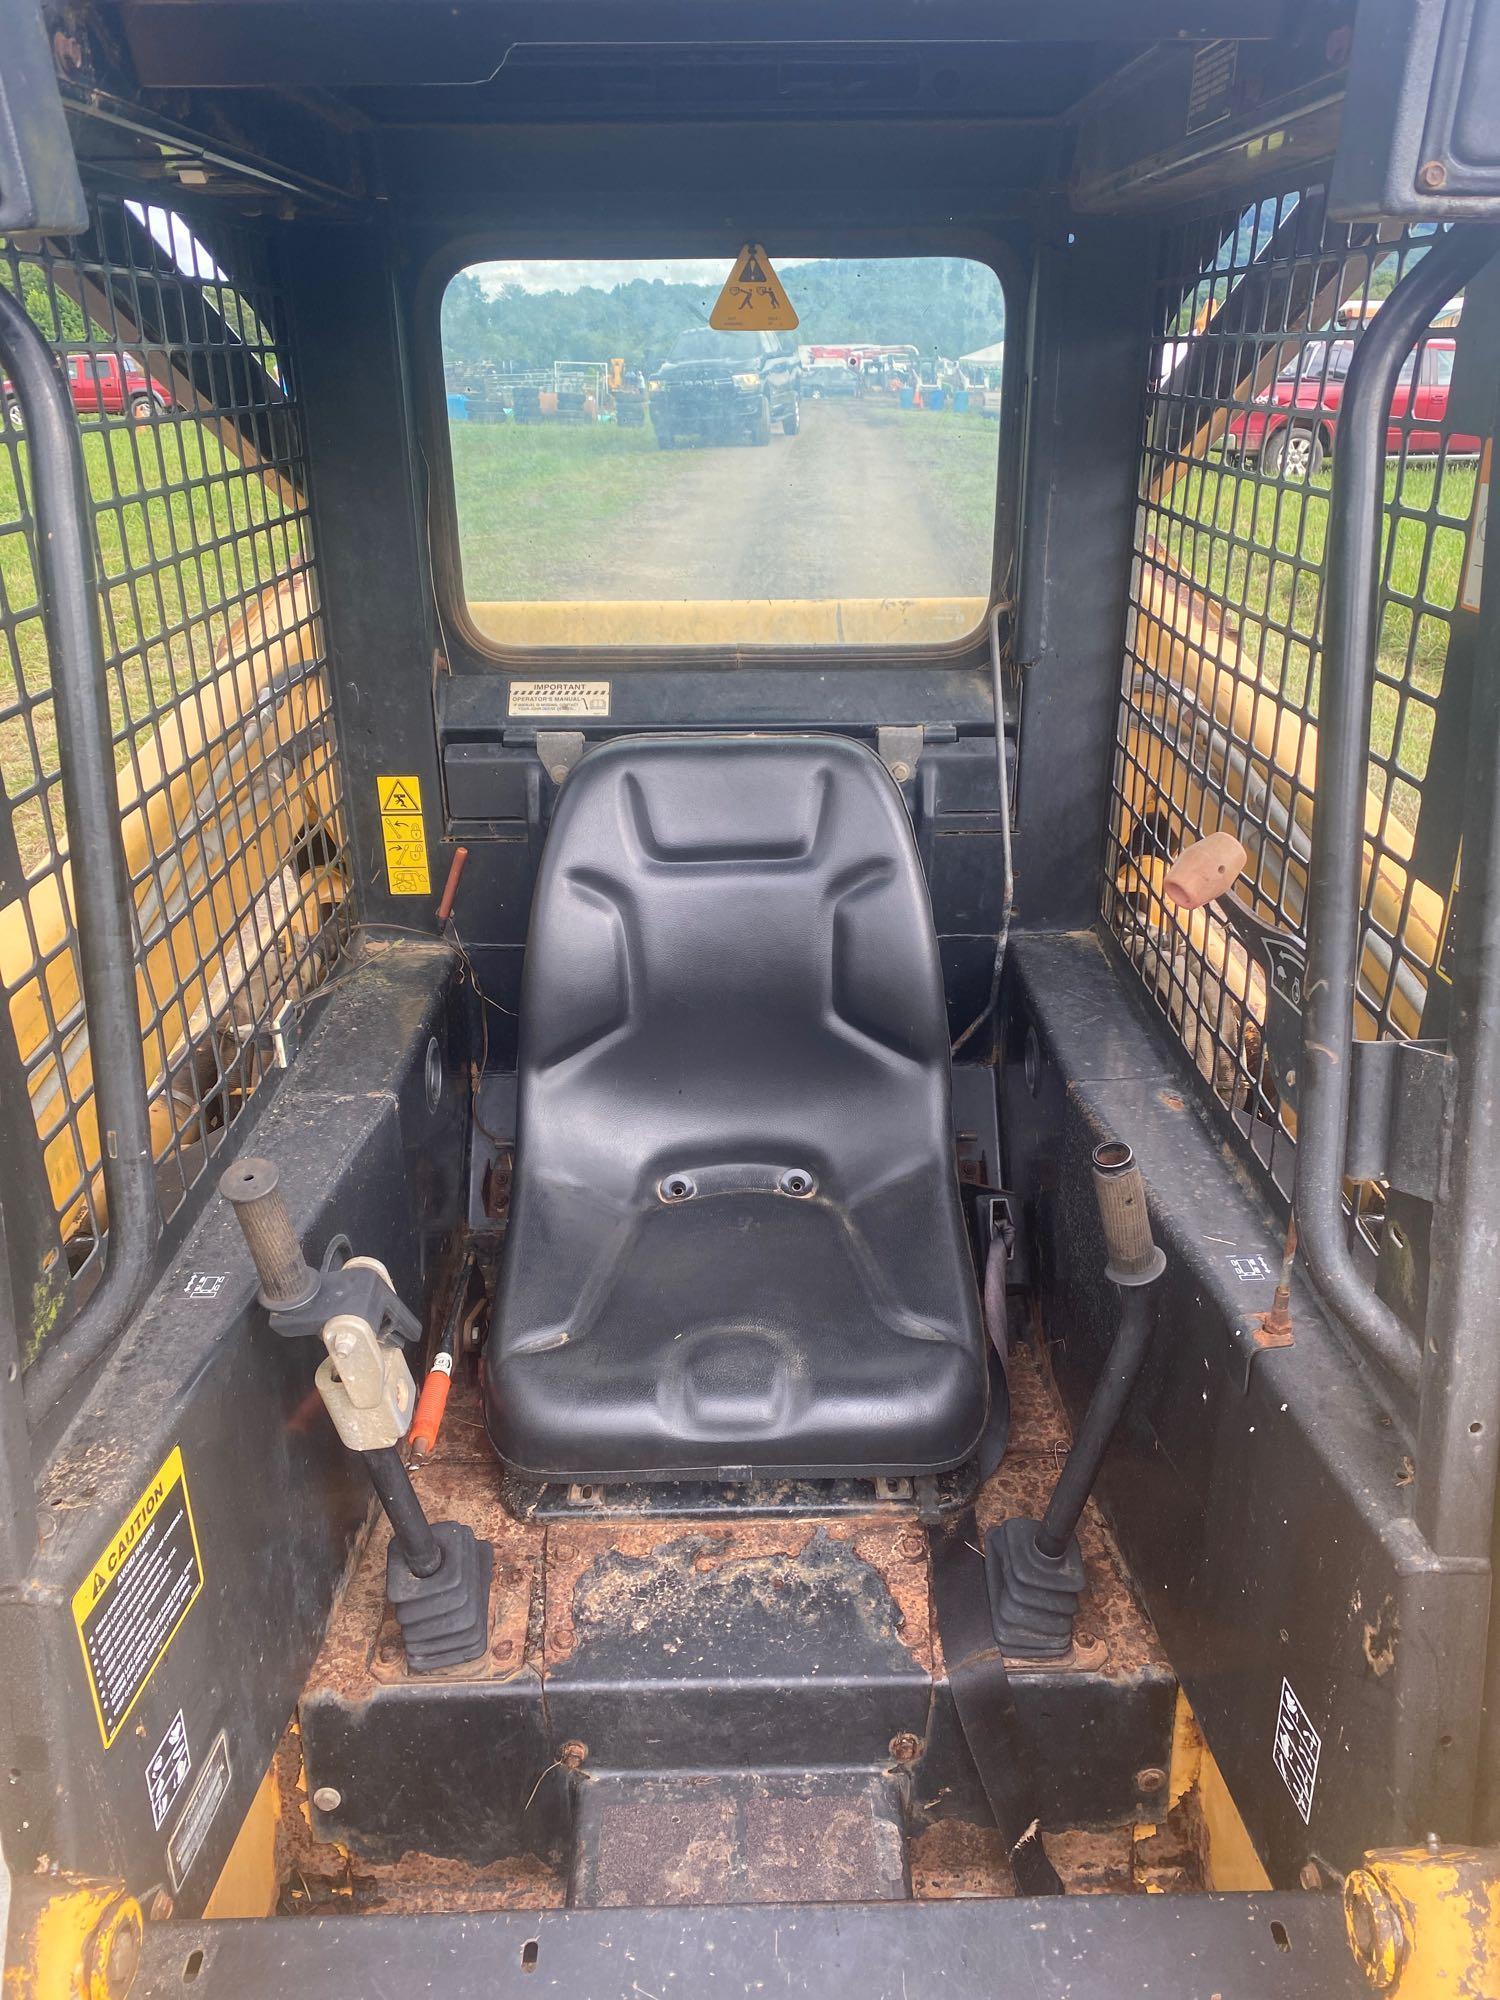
x=170 y=334
x=1257 y=315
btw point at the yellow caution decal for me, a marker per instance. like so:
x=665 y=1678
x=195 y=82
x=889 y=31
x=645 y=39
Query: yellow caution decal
x=405 y=836
x=136 y=1594
x=753 y=298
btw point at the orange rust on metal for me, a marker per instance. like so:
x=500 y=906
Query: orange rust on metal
x=1275 y=1328
x=318 y=1877
x=954 y=1859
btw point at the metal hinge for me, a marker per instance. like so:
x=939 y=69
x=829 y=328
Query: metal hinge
x=559 y=750
x=900 y=747
x=1400 y=1107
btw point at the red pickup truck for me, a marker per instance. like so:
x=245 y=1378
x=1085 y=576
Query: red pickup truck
x=109 y=384
x=1289 y=429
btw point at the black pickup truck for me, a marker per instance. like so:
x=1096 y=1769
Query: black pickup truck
x=725 y=388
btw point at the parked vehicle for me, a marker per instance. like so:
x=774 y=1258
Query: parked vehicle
x=109 y=385
x=722 y=388
x=1289 y=428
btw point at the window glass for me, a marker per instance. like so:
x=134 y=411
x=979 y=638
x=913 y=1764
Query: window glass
x=623 y=473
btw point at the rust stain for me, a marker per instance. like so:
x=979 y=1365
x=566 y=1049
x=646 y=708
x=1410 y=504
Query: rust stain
x=318 y=1877
x=955 y=1859
x=1379 y=1640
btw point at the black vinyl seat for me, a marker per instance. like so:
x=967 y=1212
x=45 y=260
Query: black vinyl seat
x=735 y=1240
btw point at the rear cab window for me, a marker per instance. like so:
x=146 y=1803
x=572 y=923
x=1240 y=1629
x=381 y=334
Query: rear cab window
x=623 y=473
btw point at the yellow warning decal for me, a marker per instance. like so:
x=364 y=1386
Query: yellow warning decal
x=754 y=297
x=405 y=836
x=135 y=1596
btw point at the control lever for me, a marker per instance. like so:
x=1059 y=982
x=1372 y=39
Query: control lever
x=437 y=1573
x=1035 y=1568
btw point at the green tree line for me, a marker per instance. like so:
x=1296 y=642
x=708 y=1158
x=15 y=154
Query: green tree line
x=946 y=304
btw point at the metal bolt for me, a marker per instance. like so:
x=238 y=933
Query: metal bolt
x=911 y=1545
x=558 y=773
x=901 y=772
x=1151 y=1779
x=504 y=1649
x=328 y=1799
x=573 y=1754
x=1310 y=1875
x=343 y=1342
x=160 y=1908
x=905 y=1747
x=1433 y=175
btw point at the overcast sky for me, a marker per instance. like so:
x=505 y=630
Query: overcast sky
x=569 y=274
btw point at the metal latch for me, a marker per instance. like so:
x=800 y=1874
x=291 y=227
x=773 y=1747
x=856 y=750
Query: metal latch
x=1400 y=1105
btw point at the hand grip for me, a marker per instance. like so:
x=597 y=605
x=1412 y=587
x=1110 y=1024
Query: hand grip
x=1205 y=870
x=252 y=1187
x=1121 y=1193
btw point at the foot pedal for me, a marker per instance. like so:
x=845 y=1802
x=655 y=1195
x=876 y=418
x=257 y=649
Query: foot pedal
x=1033 y=1597
x=445 y=1617
x=738 y=1837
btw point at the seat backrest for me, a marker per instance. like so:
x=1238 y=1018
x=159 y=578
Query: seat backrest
x=732 y=960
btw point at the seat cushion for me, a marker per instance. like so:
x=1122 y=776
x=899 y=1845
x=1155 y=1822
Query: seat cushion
x=735 y=1241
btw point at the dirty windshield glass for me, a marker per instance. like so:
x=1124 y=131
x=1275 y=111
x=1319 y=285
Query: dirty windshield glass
x=624 y=474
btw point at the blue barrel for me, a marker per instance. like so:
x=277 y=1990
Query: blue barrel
x=458 y=409
x=961 y=400
x=908 y=397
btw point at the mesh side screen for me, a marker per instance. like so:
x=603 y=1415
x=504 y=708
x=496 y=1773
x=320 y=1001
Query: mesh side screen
x=229 y=790
x=1258 y=312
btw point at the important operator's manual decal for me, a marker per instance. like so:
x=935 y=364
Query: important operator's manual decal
x=135 y=1596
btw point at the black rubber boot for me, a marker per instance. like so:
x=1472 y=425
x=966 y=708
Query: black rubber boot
x=445 y=1617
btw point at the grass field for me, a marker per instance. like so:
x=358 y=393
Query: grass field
x=184 y=533
x=1258 y=550
x=958 y=456
x=532 y=497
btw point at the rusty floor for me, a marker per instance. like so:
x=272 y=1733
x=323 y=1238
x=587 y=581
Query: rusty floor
x=540 y=1592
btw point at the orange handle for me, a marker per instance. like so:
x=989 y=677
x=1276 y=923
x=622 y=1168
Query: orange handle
x=1205 y=869
x=431 y=1404
x=450 y=887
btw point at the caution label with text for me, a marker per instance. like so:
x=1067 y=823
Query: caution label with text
x=405 y=835
x=136 y=1594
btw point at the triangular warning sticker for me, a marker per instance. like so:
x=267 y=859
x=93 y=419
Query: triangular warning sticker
x=399 y=795
x=753 y=298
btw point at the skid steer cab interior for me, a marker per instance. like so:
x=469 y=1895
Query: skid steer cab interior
x=751 y=1004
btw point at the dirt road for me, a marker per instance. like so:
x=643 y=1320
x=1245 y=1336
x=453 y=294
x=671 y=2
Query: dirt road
x=844 y=509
